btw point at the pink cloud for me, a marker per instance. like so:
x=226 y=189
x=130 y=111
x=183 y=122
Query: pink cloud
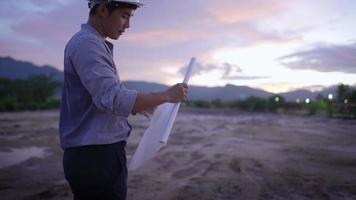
x=180 y=30
x=249 y=34
x=244 y=11
x=159 y=38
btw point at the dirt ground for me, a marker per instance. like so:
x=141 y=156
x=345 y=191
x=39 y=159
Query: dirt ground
x=210 y=155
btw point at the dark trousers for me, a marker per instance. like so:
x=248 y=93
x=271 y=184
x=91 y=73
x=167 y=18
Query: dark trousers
x=97 y=171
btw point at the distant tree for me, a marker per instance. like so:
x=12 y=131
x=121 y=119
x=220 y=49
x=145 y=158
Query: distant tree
x=257 y=104
x=32 y=94
x=5 y=90
x=352 y=103
x=320 y=97
x=42 y=87
x=342 y=92
x=352 y=97
x=202 y=104
x=216 y=103
x=234 y=104
x=275 y=102
x=317 y=106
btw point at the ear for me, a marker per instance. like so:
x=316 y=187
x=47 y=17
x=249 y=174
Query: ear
x=102 y=10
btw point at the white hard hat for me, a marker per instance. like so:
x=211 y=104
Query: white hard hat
x=92 y=3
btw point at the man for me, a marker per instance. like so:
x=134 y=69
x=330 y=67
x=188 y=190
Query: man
x=95 y=105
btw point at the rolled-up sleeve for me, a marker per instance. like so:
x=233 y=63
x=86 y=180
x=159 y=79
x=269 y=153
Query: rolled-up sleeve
x=94 y=67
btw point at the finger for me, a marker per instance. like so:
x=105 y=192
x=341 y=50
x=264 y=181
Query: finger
x=180 y=85
x=146 y=115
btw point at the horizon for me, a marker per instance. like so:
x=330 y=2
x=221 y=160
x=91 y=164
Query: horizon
x=312 y=89
x=242 y=43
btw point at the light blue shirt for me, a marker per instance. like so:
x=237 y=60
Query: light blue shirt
x=95 y=105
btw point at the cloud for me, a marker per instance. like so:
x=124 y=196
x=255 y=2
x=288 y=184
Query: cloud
x=230 y=68
x=162 y=30
x=249 y=34
x=324 y=58
x=42 y=29
x=244 y=77
x=21 y=9
x=227 y=22
x=234 y=72
x=228 y=71
x=199 y=69
x=232 y=11
x=182 y=29
x=313 y=88
x=54 y=27
x=160 y=38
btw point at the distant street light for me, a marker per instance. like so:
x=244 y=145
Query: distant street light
x=297 y=100
x=330 y=96
x=276 y=99
x=307 y=100
x=346 y=101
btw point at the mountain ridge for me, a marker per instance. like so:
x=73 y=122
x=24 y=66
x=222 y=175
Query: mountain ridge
x=14 y=69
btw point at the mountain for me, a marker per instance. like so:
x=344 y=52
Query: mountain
x=302 y=94
x=226 y=93
x=142 y=86
x=13 y=69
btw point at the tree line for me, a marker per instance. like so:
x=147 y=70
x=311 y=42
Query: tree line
x=38 y=93
x=35 y=93
x=343 y=105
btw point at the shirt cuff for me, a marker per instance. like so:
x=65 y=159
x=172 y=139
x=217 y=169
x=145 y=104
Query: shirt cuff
x=126 y=101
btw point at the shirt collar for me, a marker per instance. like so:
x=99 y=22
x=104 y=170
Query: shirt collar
x=92 y=30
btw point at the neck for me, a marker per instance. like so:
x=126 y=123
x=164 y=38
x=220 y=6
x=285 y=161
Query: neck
x=97 y=25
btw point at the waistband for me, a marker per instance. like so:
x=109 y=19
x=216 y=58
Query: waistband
x=119 y=145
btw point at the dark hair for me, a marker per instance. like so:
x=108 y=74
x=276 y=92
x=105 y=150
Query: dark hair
x=113 y=6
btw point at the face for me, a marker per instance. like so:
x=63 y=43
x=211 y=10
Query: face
x=117 y=22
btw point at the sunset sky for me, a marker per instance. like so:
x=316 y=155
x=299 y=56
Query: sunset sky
x=274 y=45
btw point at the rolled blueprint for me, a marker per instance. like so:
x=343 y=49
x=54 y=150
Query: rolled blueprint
x=176 y=106
x=158 y=131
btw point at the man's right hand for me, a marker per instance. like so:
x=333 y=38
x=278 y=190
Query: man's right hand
x=177 y=93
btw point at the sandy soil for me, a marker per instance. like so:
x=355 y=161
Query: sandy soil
x=210 y=155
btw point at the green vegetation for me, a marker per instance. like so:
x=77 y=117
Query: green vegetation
x=344 y=105
x=36 y=93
